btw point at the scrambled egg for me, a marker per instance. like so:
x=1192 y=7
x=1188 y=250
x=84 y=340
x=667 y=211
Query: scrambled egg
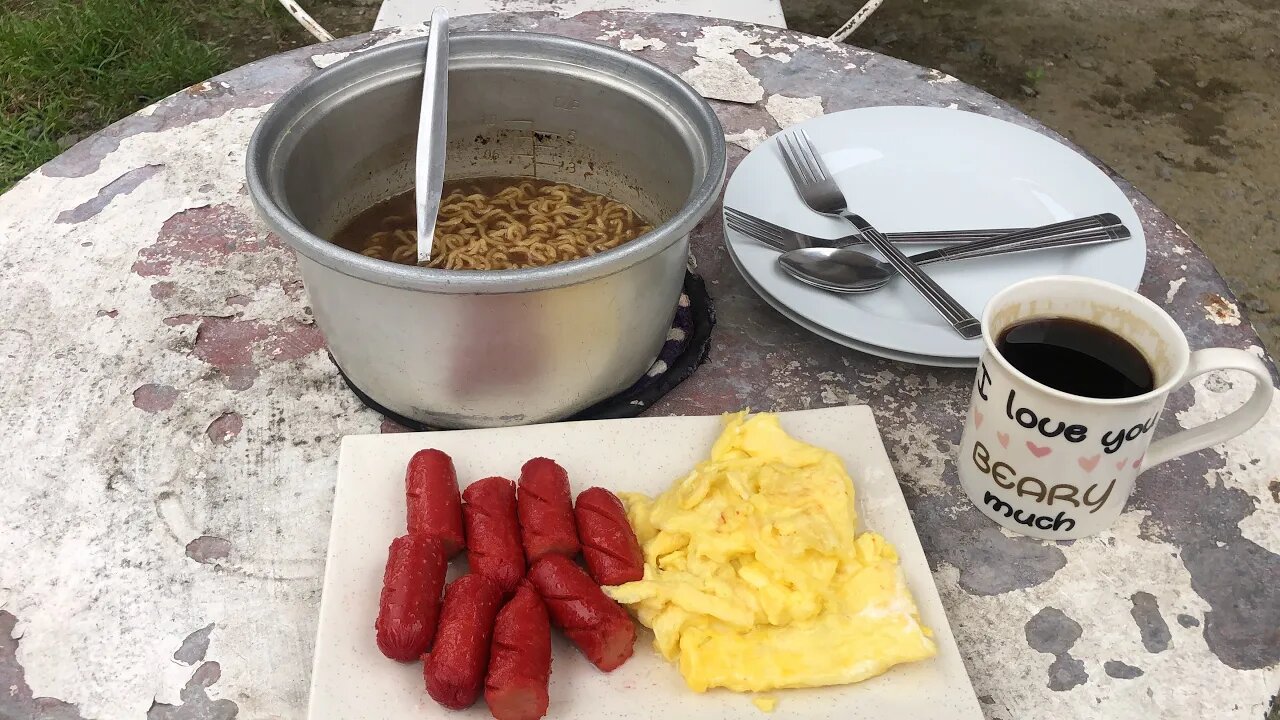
x=754 y=578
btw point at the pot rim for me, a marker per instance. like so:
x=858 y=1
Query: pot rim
x=295 y=105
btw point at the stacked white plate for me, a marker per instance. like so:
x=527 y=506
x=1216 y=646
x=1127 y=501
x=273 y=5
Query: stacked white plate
x=916 y=168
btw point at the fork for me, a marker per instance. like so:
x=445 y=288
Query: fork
x=818 y=190
x=788 y=239
x=784 y=239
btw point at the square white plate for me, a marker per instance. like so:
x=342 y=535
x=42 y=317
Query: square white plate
x=351 y=679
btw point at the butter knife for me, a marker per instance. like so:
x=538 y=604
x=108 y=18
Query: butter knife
x=429 y=161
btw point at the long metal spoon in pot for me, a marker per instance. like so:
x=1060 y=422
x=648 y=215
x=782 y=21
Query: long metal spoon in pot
x=429 y=170
x=845 y=270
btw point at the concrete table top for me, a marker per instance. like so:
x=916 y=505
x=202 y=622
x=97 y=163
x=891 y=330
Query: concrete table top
x=392 y=13
x=171 y=425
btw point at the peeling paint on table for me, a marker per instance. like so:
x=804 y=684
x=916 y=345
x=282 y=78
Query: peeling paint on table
x=172 y=425
x=1050 y=631
x=788 y=111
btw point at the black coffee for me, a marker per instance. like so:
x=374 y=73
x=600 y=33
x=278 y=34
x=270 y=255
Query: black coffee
x=1076 y=357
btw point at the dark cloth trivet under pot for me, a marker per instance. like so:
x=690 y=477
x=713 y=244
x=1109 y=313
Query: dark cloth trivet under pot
x=686 y=348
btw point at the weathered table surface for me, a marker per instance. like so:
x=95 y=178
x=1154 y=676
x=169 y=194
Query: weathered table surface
x=171 y=425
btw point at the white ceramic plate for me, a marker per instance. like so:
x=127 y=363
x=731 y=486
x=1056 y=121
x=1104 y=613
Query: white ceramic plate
x=822 y=332
x=351 y=679
x=918 y=168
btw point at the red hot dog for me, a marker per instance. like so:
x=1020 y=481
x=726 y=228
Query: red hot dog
x=545 y=507
x=598 y=626
x=431 y=494
x=455 y=667
x=519 y=658
x=493 y=532
x=609 y=545
x=410 y=601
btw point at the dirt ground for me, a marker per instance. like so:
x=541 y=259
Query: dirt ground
x=1180 y=96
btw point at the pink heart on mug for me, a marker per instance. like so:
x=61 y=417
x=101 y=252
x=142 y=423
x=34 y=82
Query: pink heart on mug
x=1004 y=439
x=977 y=418
x=1138 y=462
x=1089 y=463
x=1038 y=450
x=1120 y=465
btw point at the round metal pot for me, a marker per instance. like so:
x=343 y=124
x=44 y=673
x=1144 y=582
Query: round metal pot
x=490 y=348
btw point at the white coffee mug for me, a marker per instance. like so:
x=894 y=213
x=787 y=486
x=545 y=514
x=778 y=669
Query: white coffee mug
x=1045 y=463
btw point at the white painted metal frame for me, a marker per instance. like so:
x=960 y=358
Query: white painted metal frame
x=394 y=13
x=306 y=21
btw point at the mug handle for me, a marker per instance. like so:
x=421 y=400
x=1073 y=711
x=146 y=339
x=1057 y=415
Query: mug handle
x=1226 y=427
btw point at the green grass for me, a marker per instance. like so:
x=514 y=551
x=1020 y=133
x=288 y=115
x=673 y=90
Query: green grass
x=69 y=67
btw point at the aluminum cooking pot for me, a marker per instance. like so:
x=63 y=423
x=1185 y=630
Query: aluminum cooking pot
x=454 y=348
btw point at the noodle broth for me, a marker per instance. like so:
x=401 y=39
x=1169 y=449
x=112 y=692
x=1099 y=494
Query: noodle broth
x=496 y=223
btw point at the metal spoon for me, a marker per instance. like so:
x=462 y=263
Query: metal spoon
x=429 y=170
x=845 y=270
